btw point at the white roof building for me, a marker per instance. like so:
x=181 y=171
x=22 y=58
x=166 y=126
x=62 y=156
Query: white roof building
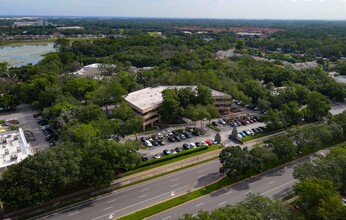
x=92 y=69
x=150 y=98
x=13 y=148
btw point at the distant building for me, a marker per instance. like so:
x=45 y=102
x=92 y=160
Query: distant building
x=30 y=23
x=13 y=148
x=70 y=28
x=93 y=70
x=222 y=54
x=146 y=102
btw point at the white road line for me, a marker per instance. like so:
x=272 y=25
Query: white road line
x=279 y=187
x=271 y=182
x=173 y=180
x=200 y=176
x=75 y=213
x=113 y=200
x=142 y=196
x=199 y=204
x=173 y=185
x=107 y=208
x=143 y=190
x=222 y=203
x=167 y=217
x=136 y=204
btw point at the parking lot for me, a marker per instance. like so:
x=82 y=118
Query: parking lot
x=210 y=134
x=24 y=114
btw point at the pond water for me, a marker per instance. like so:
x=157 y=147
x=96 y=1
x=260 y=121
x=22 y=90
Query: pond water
x=23 y=54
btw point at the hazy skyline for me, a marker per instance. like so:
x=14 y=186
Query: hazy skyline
x=229 y=9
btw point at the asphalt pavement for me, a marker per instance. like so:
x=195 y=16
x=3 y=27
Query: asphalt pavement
x=131 y=199
x=276 y=184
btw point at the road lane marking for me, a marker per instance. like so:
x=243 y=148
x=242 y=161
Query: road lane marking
x=167 y=217
x=142 y=196
x=75 y=213
x=222 y=203
x=199 y=204
x=136 y=204
x=200 y=176
x=113 y=200
x=143 y=190
x=173 y=185
x=279 y=187
x=108 y=208
x=174 y=180
x=271 y=182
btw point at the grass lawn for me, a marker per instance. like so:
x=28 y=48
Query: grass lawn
x=250 y=138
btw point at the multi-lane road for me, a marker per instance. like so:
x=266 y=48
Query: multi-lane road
x=274 y=184
x=131 y=199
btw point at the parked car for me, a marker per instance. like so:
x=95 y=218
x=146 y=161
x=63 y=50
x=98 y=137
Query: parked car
x=145 y=158
x=177 y=138
x=209 y=142
x=221 y=121
x=156 y=156
x=178 y=149
x=214 y=123
x=148 y=143
x=166 y=152
x=182 y=136
x=186 y=146
x=196 y=133
x=142 y=139
x=193 y=145
x=155 y=143
x=161 y=142
x=187 y=134
x=242 y=134
x=171 y=139
x=203 y=143
x=173 y=151
x=214 y=141
x=198 y=144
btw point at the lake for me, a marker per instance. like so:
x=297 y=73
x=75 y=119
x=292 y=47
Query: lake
x=22 y=54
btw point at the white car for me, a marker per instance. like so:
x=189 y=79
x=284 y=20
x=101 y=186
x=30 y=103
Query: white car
x=44 y=127
x=221 y=121
x=193 y=145
x=148 y=143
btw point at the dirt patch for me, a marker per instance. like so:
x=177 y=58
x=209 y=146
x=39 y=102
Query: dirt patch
x=13 y=122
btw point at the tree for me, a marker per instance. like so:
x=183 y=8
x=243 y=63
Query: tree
x=234 y=134
x=240 y=44
x=320 y=199
x=292 y=114
x=204 y=96
x=62 y=44
x=123 y=112
x=318 y=106
x=170 y=109
x=282 y=146
x=218 y=138
x=235 y=161
x=186 y=97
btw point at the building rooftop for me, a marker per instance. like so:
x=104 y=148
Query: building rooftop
x=148 y=98
x=13 y=148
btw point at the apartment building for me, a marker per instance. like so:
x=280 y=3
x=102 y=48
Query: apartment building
x=146 y=102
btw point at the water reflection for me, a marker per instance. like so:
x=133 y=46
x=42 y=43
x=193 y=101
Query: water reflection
x=25 y=53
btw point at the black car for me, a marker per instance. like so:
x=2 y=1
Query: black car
x=43 y=122
x=171 y=139
x=198 y=144
x=187 y=134
x=196 y=133
x=145 y=158
x=182 y=136
x=186 y=146
x=166 y=152
x=155 y=143
x=214 y=123
x=178 y=149
x=177 y=138
x=143 y=139
x=161 y=142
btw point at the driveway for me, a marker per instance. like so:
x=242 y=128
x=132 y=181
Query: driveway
x=23 y=114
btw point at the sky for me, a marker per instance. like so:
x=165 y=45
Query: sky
x=227 y=9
